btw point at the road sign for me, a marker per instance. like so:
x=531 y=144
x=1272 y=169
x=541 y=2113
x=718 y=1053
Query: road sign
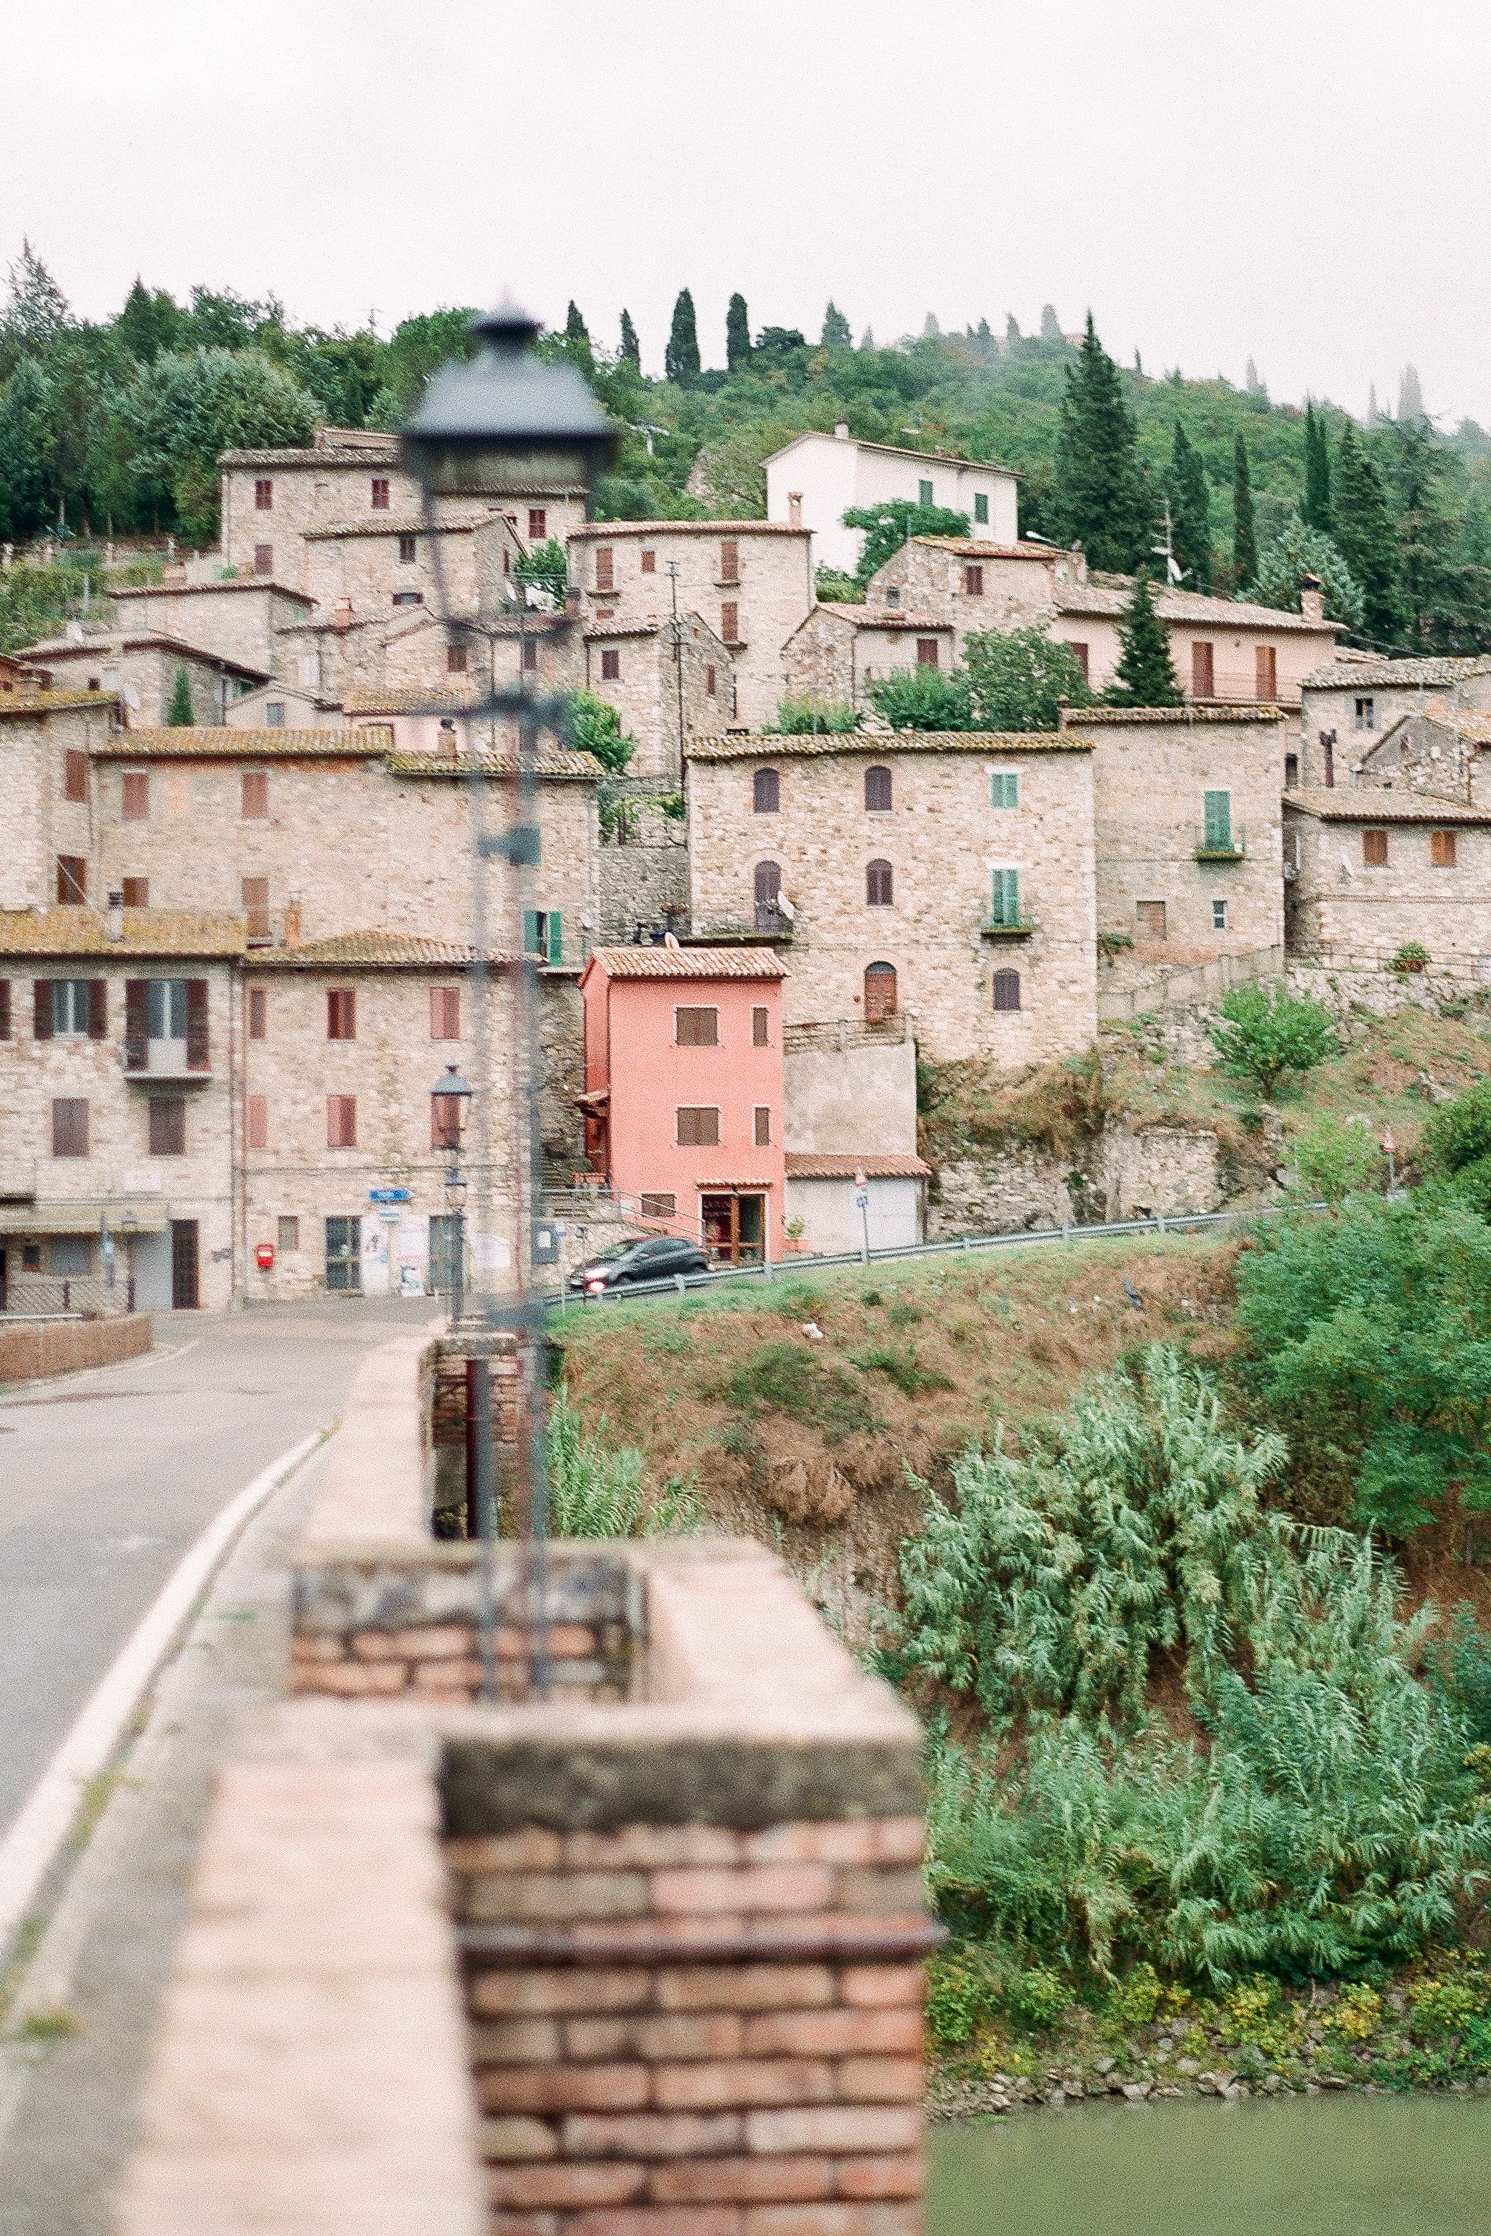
x=862 y=1200
x=388 y=1195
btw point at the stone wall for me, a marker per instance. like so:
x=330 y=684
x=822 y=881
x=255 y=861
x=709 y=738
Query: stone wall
x=30 y=1351
x=850 y=1088
x=639 y=883
x=1129 y=1173
x=1344 y=913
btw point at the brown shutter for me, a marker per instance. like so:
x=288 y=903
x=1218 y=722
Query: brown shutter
x=136 y=1024
x=42 y=1025
x=4 y=1009
x=98 y=1009
x=196 y=1024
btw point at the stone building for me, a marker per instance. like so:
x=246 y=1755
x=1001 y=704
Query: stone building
x=839 y=649
x=950 y=876
x=1439 y=755
x=1187 y=817
x=1348 y=706
x=818 y=478
x=232 y=621
x=141 y=670
x=1373 y=870
x=384 y=565
x=750 y=581
x=47 y=795
x=668 y=683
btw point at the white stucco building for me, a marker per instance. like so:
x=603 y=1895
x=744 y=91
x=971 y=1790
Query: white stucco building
x=832 y=474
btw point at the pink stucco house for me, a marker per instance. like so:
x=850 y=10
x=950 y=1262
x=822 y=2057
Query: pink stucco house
x=683 y=1090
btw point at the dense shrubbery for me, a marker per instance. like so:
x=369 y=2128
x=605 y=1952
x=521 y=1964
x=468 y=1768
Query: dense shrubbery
x=1265 y=1034
x=599 y=1490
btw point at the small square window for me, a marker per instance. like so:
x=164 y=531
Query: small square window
x=924 y=493
x=134 y=892
x=926 y=652
x=696 y=1028
x=610 y=665
x=1219 y=916
x=973 y=582
x=263 y=558
x=1004 y=788
x=274 y=714
x=408 y=598
x=538 y=524
x=981 y=510
x=288 y=1235
x=649 y=562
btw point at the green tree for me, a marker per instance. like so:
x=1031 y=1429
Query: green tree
x=546 y=568
x=1298 y=551
x=836 y=329
x=148 y=323
x=1190 y=509
x=796 y=718
x=1050 y=324
x=25 y=451
x=1244 y=529
x=1457 y=1145
x=1102 y=497
x=168 y=426
x=1366 y=538
x=1020 y=681
x=890 y=525
x=631 y=348
x=1316 y=509
x=1438 y=594
x=575 y=328
x=924 y=699
x=1265 y=1033
x=737 y=334
x=420 y=345
x=1145 y=676
x=180 y=715
x=681 y=356
x=1335 y=1161
x=596 y=729
x=35 y=314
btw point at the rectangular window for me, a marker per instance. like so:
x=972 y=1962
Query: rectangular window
x=1079 y=654
x=980 y=509
x=445 y=1013
x=538 y=524
x=710 y=682
x=649 y=562
x=455 y=659
x=763 y=1126
x=134 y=892
x=408 y=597
x=72 y=881
x=1151 y=915
x=1202 y=686
x=341 y=1121
x=168 y=1125
x=263 y=496
x=1217 y=834
x=729 y=560
x=730 y=622
x=344 y=1255
x=254 y=800
x=610 y=666
x=924 y=493
x=255 y=901
x=760 y=1028
x=341 y=1013
x=310 y=671
x=445 y=1121
x=258 y=1013
x=74 y=774
x=698 y=1129
x=659 y=1207
x=543 y=934
x=263 y=558
x=1291 y=771
x=69 y=1126
x=287 y=1234
x=926 y=652
x=65 y=1008
x=1265 y=672
x=1374 y=850
x=1004 y=788
x=1366 y=714
x=134 y=804
x=408 y=550
x=530 y=655
x=274 y=714
x=696 y=1028
x=605 y=566
x=1004 y=903
x=1442 y=850
x=380 y=493
x=973 y=582
x=1219 y=916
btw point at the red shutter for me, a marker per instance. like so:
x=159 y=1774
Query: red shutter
x=4 y=1009
x=42 y=1023
x=136 y=1024
x=98 y=1008
x=258 y=1121
x=196 y=1024
x=75 y=775
x=730 y=622
x=926 y=652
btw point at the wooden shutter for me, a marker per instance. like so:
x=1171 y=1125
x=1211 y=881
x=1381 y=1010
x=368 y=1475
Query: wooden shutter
x=1374 y=849
x=1201 y=671
x=168 y=1125
x=258 y=1014
x=554 y=926
x=879 y=885
x=136 y=1024
x=42 y=1012
x=134 y=795
x=4 y=1009
x=258 y=1121
x=255 y=805
x=72 y=881
x=1079 y=654
x=1004 y=788
x=341 y=1013
x=604 y=578
x=696 y=1028
x=698 y=1128
x=263 y=558
x=1006 y=989
x=760 y=1028
x=135 y=892
x=1442 y=850
x=730 y=622
x=196 y=1024
x=649 y=562
x=880 y=993
x=69 y=1126
x=1218 y=837
x=380 y=494
x=611 y=666
x=926 y=652
x=98 y=1009
x=530 y=655
x=766 y=792
x=763 y=1125
x=532 y=944
x=538 y=523
x=973 y=582
x=879 y=792
x=75 y=774
x=1265 y=669
x=1005 y=899
x=730 y=560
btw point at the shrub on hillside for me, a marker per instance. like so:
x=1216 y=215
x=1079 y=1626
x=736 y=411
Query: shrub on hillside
x=1457 y=1145
x=1265 y=1033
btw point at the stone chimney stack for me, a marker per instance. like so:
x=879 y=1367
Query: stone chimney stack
x=1311 y=598
x=342 y=615
x=794 y=508
x=114 y=921
x=292 y=923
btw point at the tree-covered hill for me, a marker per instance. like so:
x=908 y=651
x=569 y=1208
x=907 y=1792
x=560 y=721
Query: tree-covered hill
x=113 y=428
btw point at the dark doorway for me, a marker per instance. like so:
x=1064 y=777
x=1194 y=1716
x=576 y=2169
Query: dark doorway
x=734 y=1227
x=344 y=1256
x=183 y=1265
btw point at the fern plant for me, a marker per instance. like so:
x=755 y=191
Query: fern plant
x=599 y=1490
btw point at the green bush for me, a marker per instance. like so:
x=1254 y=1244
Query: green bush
x=1264 y=1034
x=600 y=1490
x=1036 y=1996
x=786 y=1378
x=900 y=1364
x=1457 y=1145
x=924 y=699
x=1021 y=680
x=1335 y=1161
x=804 y=717
x=963 y=1994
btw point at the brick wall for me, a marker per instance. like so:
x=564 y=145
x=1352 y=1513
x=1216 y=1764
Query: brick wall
x=66 y=1346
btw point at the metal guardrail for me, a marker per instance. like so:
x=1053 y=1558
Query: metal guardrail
x=1022 y=1237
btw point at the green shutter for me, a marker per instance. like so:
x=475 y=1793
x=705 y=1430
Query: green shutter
x=554 y=925
x=532 y=944
x=1218 y=821
x=1005 y=907
x=1004 y=789
x=924 y=492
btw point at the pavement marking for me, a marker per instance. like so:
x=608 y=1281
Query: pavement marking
x=28 y=1849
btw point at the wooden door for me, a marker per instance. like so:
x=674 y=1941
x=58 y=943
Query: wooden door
x=184 y=1289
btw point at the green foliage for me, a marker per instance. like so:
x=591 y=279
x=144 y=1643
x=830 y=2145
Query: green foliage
x=27 y=446
x=797 y=718
x=1265 y=1033
x=35 y=315
x=34 y=601
x=963 y=1994
x=595 y=728
x=836 y=332
x=889 y=525
x=786 y=1378
x=924 y=699
x=1297 y=551
x=165 y=430
x=546 y=568
x=1335 y=1161
x=1036 y=1996
x=681 y=355
x=1370 y=1339
x=833 y=587
x=1190 y=510
x=1145 y=676
x=630 y=352
x=737 y=334
x=1316 y=508
x=180 y=715
x=1364 y=535
x=1021 y=681
x=1134 y=2002
x=1457 y=1145
x=1102 y=497
x=600 y=1490
x=1460 y=1665
x=1412 y=956
x=1244 y=521
x=900 y=1364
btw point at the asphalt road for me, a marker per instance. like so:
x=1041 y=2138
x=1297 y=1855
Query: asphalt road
x=107 y=1477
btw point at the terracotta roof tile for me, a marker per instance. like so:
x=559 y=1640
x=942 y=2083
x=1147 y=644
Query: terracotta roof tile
x=895 y=450
x=802 y=1165
x=109 y=648
x=964 y=547
x=387 y=950
x=406 y=702
x=604 y=531
x=15 y=705
x=225 y=744
x=763 y=745
x=1385 y=674
x=1377 y=804
x=1112 y=598
x=1192 y=715
x=147 y=931
x=876 y=617
x=688 y=962
x=574 y=768
x=196 y=589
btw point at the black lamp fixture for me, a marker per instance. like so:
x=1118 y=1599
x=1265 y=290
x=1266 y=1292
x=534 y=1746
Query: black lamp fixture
x=504 y=420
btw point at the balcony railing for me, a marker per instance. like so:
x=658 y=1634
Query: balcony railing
x=162 y=1062
x=1214 y=845
x=999 y=927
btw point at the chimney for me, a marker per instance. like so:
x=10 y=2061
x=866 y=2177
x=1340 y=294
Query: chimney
x=841 y=430
x=571 y=601
x=794 y=508
x=292 y=923
x=449 y=743
x=1311 y=598
x=342 y=615
x=114 y=922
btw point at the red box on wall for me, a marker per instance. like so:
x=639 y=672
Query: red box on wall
x=264 y=1256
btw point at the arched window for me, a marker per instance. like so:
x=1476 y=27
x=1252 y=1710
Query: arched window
x=766 y=791
x=880 y=993
x=879 y=885
x=878 y=791
x=1006 y=989
x=768 y=886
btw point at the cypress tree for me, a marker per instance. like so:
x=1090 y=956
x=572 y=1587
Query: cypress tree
x=681 y=357
x=1315 y=512
x=575 y=328
x=1190 y=509
x=181 y=714
x=1101 y=488
x=1366 y=538
x=631 y=348
x=1146 y=673
x=1244 y=528
x=836 y=333
x=737 y=334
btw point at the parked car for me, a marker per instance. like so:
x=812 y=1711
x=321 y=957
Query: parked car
x=657 y=1259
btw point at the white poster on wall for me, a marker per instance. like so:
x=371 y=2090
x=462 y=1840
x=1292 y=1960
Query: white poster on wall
x=413 y=1257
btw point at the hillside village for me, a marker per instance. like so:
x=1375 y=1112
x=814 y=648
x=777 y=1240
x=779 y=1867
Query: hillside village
x=240 y=965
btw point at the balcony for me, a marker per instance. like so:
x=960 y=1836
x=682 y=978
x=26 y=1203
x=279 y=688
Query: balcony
x=1019 y=927
x=770 y=929
x=1214 y=844
x=161 y=1063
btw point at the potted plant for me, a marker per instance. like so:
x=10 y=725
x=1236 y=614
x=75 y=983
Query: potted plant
x=793 y=1230
x=1411 y=956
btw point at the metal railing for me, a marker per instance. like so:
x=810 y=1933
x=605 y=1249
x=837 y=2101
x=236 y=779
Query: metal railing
x=55 y=1296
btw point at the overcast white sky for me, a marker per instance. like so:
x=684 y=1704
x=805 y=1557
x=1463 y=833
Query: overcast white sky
x=1305 y=181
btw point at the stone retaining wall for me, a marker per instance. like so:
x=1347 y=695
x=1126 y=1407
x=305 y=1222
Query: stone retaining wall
x=36 y=1348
